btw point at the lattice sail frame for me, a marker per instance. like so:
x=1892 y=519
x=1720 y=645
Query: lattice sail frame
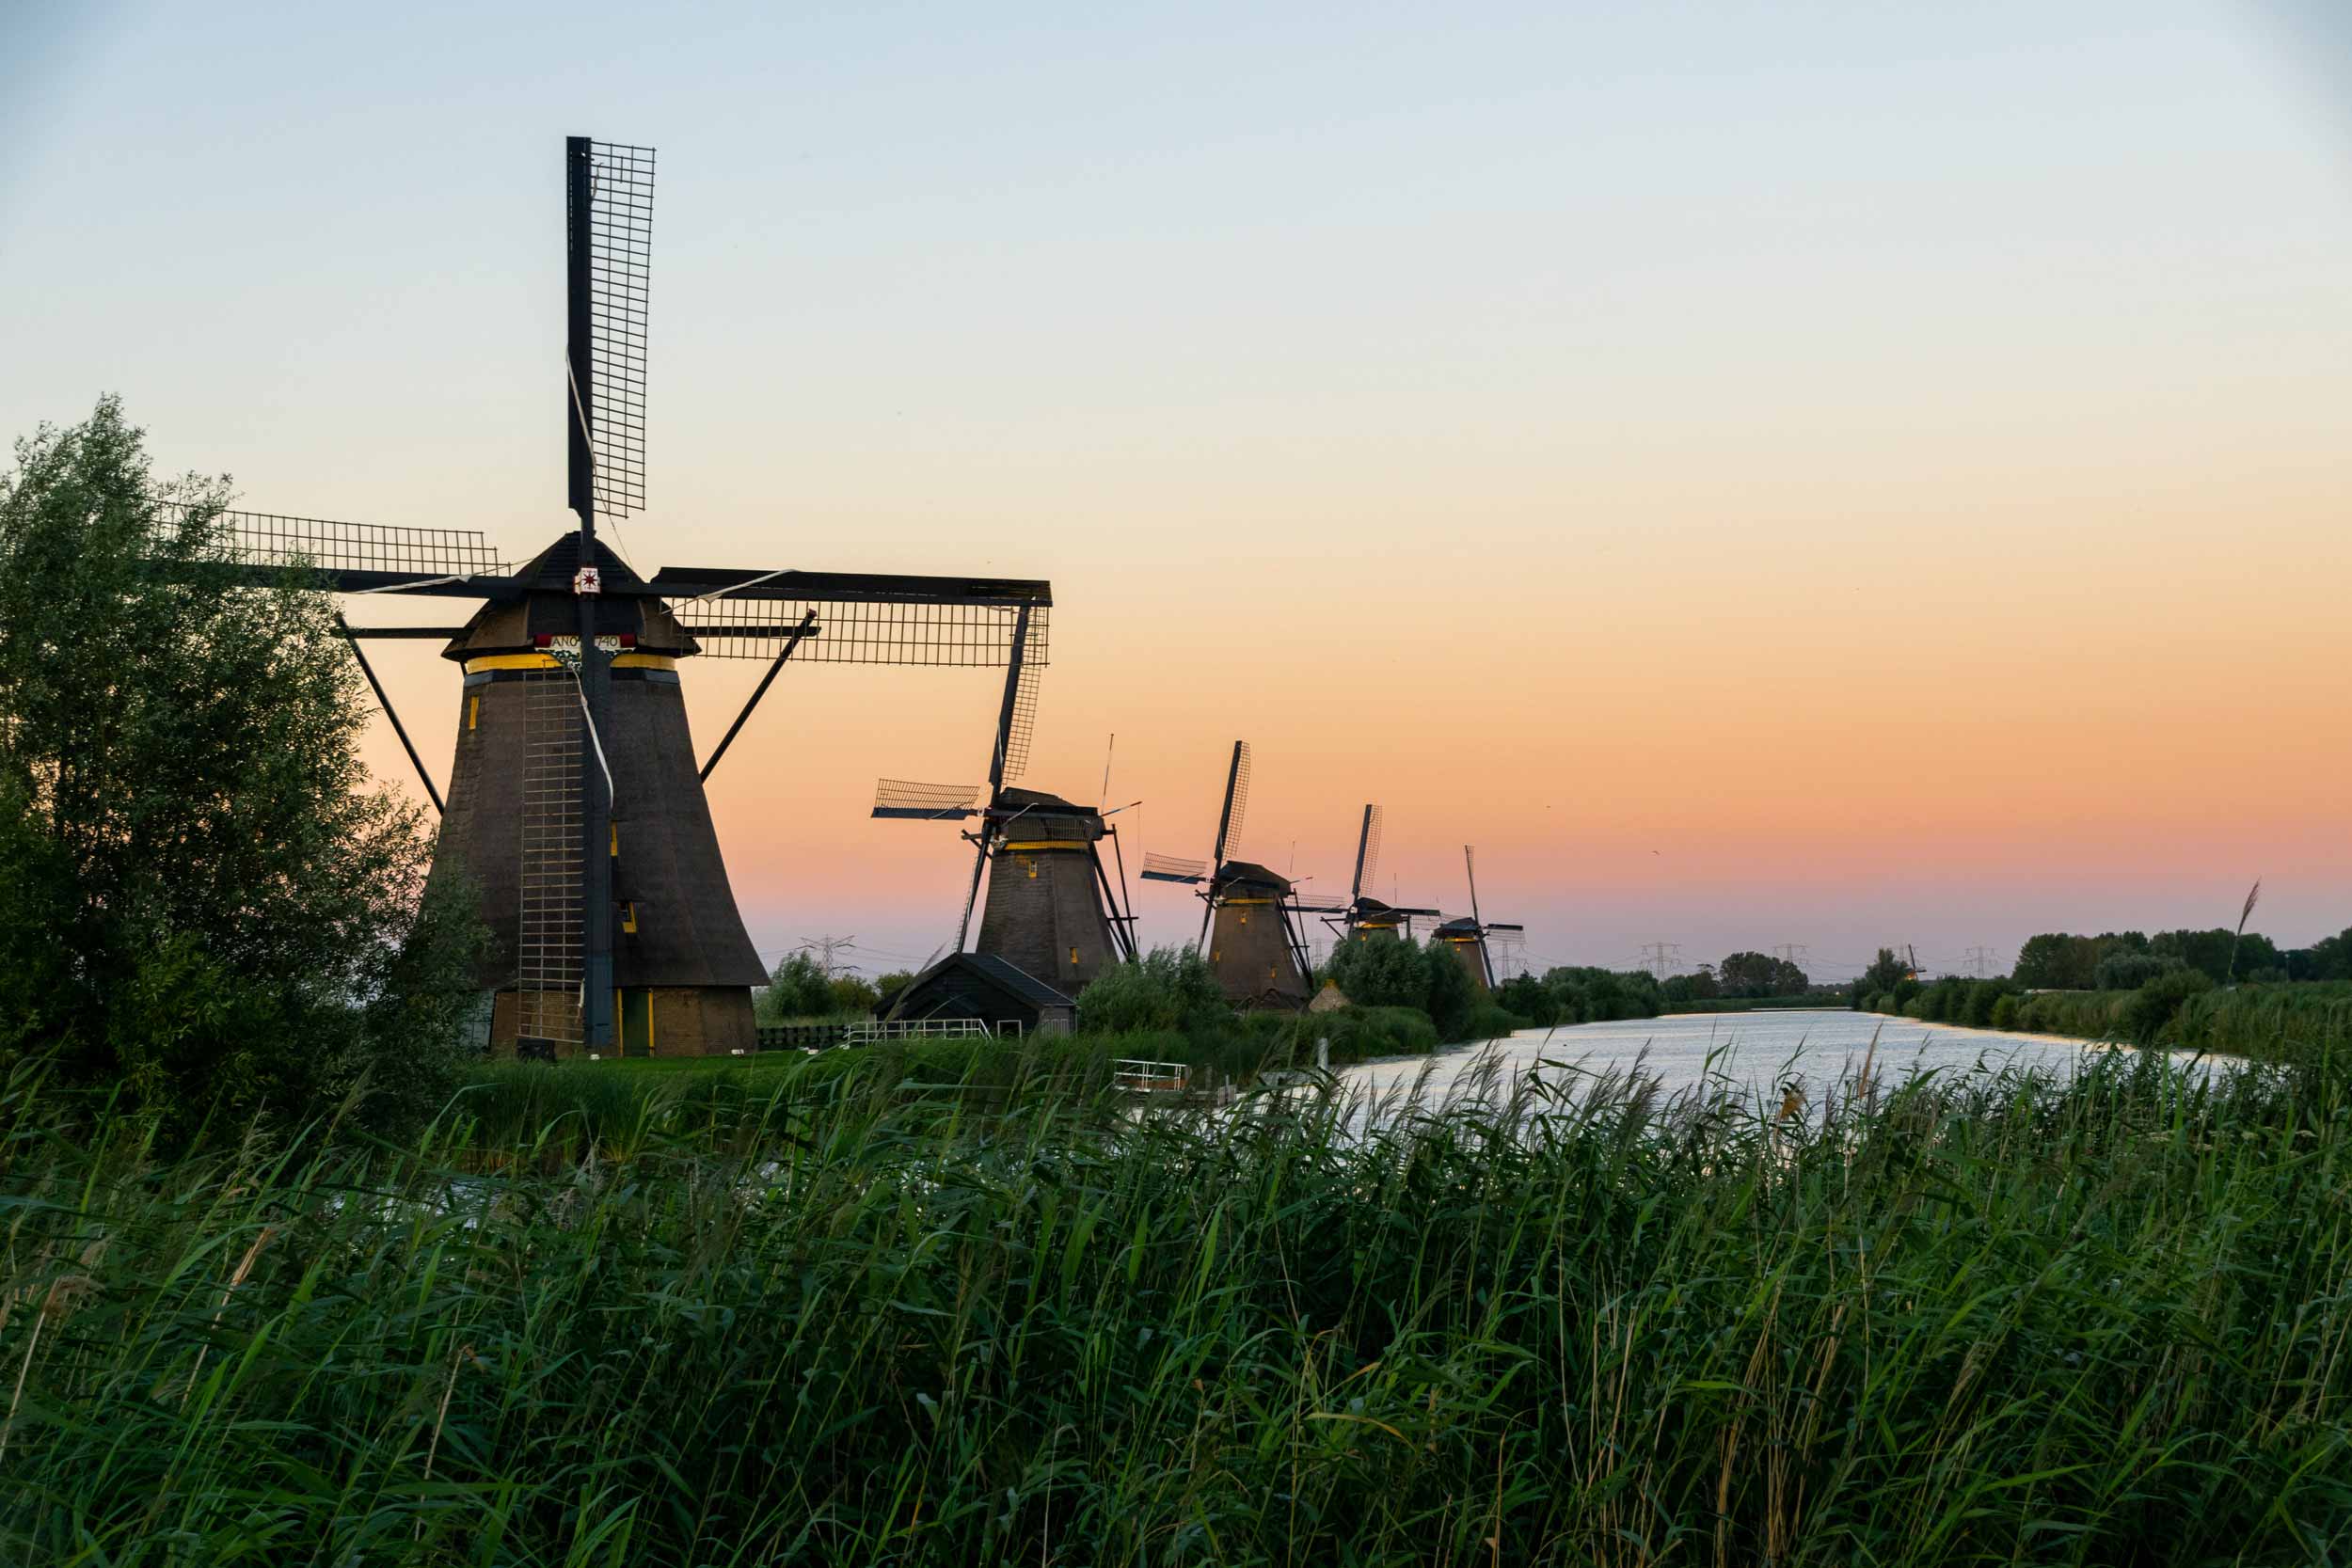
x=1369 y=875
x=1173 y=868
x=620 y=273
x=1025 y=697
x=277 y=539
x=925 y=801
x=1238 y=807
x=744 y=624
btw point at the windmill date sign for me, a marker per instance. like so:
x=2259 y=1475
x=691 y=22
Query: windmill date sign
x=575 y=802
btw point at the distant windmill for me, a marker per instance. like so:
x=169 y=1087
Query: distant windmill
x=1468 y=936
x=1249 y=929
x=1363 y=918
x=575 y=805
x=1052 y=910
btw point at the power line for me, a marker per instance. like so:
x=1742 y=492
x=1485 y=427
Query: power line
x=827 y=951
x=1659 y=957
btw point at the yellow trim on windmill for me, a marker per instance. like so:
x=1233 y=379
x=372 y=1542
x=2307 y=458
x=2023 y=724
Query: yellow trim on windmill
x=512 y=662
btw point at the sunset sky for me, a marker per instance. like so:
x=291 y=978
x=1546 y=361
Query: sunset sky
x=1836 y=474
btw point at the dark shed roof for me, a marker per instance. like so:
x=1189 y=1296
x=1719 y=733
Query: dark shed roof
x=1016 y=985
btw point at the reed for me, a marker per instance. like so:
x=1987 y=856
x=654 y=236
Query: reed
x=1958 y=1319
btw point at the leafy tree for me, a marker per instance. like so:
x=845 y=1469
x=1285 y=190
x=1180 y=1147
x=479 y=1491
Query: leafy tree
x=796 y=989
x=887 y=987
x=2057 y=961
x=851 y=995
x=1382 y=973
x=1700 y=986
x=1171 y=988
x=2328 y=958
x=207 y=901
x=1761 y=974
x=2125 y=969
x=2210 y=952
x=1531 y=998
x=1886 y=972
x=1449 y=995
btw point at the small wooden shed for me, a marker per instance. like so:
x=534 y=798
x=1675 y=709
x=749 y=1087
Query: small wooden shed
x=982 y=986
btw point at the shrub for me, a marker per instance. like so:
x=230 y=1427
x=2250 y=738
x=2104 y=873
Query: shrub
x=2152 y=1006
x=1173 y=987
x=2005 y=1012
x=1489 y=1021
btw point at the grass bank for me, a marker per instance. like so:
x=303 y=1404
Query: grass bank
x=620 y=1107
x=1976 y=1319
x=2301 y=1022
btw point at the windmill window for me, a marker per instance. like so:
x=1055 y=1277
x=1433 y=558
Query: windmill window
x=1244 y=917
x=617 y=837
x=629 y=916
x=1073 y=958
x=473 y=713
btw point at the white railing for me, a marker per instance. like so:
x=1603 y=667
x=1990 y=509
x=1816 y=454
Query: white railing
x=1140 y=1077
x=871 y=1030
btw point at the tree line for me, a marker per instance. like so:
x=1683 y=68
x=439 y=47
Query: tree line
x=2125 y=961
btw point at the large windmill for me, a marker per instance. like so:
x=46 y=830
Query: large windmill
x=575 y=803
x=1250 y=928
x=1363 y=918
x=1052 y=911
x=1467 y=934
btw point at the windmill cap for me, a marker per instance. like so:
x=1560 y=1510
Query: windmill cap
x=555 y=566
x=1460 y=926
x=1250 y=874
x=1036 y=800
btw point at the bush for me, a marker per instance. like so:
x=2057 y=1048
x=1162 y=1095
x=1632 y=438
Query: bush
x=1173 y=987
x=1984 y=997
x=2005 y=1012
x=2152 y=1006
x=1490 y=1022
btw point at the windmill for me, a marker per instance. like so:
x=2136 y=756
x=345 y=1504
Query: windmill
x=1363 y=918
x=1249 y=927
x=575 y=805
x=1052 y=910
x=1467 y=936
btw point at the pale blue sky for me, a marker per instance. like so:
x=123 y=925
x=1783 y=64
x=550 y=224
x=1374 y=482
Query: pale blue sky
x=1330 y=315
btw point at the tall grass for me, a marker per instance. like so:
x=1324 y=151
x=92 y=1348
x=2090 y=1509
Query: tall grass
x=1961 y=1319
x=2302 y=1021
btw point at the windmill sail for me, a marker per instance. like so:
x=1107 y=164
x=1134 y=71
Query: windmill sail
x=609 y=191
x=346 y=558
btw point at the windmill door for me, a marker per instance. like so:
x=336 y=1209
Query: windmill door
x=633 y=1011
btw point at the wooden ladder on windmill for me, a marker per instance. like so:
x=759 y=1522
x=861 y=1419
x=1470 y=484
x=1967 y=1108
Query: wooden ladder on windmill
x=548 y=944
